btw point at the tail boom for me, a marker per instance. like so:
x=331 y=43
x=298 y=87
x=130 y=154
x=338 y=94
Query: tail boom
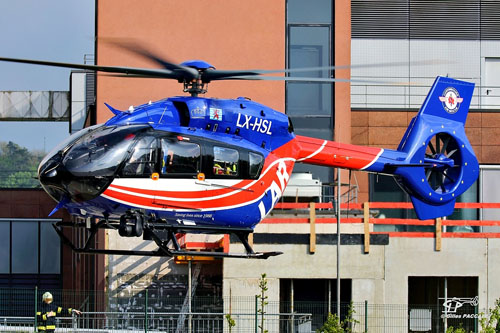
x=434 y=162
x=335 y=154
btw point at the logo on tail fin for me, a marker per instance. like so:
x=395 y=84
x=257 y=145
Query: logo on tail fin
x=451 y=100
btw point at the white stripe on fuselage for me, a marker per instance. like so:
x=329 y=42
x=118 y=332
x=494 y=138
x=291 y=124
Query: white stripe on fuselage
x=374 y=160
x=315 y=153
x=190 y=185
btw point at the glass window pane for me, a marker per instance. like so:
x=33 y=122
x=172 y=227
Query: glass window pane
x=50 y=249
x=99 y=153
x=309 y=47
x=24 y=247
x=316 y=127
x=4 y=247
x=309 y=98
x=256 y=163
x=225 y=161
x=179 y=157
x=310 y=11
x=143 y=159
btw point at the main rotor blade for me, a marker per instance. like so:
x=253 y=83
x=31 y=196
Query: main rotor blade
x=301 y=79
x=332 y=68
x=160 y=73
x=184 y=72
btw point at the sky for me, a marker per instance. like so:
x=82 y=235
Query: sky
x=56 y=30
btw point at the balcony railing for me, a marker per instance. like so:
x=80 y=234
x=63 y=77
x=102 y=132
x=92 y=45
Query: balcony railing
x=411 y=95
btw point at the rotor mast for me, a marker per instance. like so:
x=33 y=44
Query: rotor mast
x=195 y=86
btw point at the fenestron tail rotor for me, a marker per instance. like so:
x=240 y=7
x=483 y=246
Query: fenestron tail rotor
x=443 y=162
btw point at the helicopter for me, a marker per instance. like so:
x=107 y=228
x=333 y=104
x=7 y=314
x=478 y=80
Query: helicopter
x=190 y=164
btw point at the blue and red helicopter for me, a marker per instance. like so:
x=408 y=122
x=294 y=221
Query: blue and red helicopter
x=203 y=165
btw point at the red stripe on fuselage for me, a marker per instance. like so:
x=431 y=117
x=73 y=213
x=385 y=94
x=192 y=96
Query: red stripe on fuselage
x=186 y=194
x=249 y=191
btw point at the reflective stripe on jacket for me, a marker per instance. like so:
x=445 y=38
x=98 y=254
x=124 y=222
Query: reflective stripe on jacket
x=46 y=322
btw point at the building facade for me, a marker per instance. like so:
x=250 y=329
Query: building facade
x=293 y=33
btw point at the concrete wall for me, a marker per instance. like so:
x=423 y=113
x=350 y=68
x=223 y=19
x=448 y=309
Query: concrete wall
x=135 y=271
x=380 y=277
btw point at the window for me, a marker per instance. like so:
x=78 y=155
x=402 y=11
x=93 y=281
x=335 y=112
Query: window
x=225 y=161
x=24 y=247
x=297 y=295
x=29 y=247
x=179 y=157
x=310 y=44
x=143 y=159
x=4 y=247
x=255 y=165
x=50 y=252
x=99 y=153
x=434 y=292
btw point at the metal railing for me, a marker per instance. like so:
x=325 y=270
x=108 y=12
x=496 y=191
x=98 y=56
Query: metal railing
x=411 y=96
x=366 y=318
x=166 y=322
x=326 y=192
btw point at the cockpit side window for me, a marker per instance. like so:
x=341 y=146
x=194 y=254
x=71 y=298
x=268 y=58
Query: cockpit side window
x=256 y=161
x=225 y=161
x=179 y=157
x=143 y=159
x=100 y=152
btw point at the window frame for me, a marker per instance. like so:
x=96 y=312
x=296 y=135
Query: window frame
x=224 y=167
x=186 y=139
x=39 y=241
x=131 y=152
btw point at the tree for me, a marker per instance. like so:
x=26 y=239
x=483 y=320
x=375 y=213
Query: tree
x=490 y=323
x=18 y=166
x=333 y=324
x=263 y=297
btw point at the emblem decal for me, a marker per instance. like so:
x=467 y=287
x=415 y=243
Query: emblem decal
x=451 y=100
x=216 y=114
x=197 y=113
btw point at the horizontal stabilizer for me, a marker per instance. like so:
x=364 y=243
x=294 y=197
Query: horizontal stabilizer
x=426 y=211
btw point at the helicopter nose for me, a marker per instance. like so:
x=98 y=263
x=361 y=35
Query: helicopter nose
x=51 y=176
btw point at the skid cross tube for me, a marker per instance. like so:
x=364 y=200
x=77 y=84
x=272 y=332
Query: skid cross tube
x=168 y=247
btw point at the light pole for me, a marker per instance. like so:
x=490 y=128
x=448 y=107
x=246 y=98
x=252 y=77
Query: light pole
x=338 y=242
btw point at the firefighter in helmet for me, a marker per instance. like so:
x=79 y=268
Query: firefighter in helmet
x=46 y=317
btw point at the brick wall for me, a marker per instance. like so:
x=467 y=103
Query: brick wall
x=386 y=128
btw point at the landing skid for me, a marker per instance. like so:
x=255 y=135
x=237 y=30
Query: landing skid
x=167 y=246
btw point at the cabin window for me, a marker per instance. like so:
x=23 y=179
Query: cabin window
x=143 y=159
x=179 y=157
x=255 y=165
x=225 y=161
x=100 y=152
